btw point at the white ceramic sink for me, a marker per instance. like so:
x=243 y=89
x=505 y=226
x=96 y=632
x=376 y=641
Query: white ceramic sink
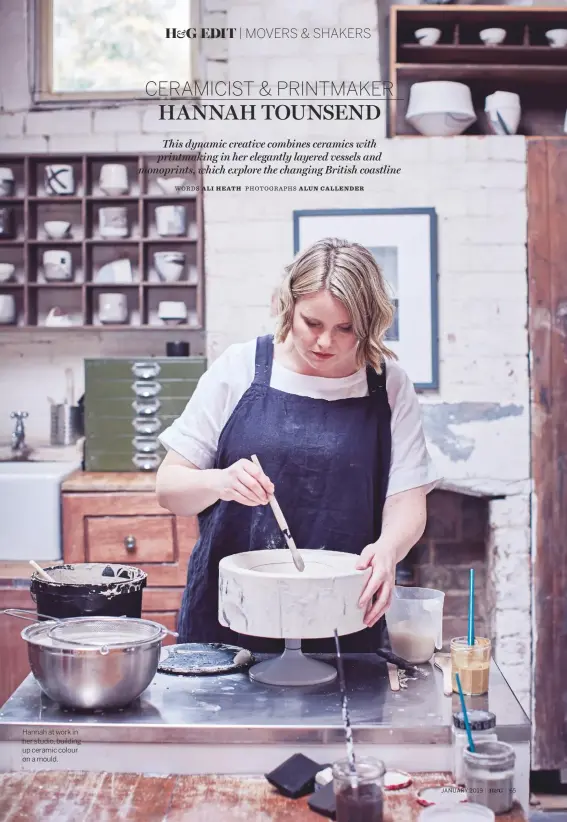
x=30 y=509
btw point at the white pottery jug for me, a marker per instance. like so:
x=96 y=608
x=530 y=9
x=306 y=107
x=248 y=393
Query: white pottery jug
x=503 y=109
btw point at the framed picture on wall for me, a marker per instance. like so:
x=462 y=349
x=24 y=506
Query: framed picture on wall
x=404 y=243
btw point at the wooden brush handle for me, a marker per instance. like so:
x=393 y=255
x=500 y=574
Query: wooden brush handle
x=40 y=571
x=447 y=681
x=280 y=519
x=393 y=676
x=278 y=513
x=274 y=505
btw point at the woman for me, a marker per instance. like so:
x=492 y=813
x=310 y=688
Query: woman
x=337 y=432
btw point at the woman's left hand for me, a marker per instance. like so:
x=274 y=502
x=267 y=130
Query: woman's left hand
x=381 y=581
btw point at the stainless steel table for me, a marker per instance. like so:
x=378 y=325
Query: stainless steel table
x=229 y=724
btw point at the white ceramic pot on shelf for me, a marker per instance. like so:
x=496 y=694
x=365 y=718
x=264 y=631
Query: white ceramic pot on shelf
x=7 y=309
x=6 y=272
x=113 y=179
x=169 y=265
x=56 y=229
x=493 y=37
x=172 y=312
x=503 y=112
x=440 y=108
x=112 y=308
x=557 y=38
x=427 y=36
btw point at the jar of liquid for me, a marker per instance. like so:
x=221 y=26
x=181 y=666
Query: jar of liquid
x=489 y=775
x=472 y=663
x=364 y=801
x=483 y=727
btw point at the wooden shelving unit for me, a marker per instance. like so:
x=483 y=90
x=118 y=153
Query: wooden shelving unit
x=35 y=296
x=524 y=63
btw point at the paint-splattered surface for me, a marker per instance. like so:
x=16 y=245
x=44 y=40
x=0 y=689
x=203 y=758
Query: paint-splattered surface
x=102 y=797
x=194 y=658
x=232 y=707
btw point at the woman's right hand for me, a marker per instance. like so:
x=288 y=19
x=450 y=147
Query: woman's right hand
x=244 y=482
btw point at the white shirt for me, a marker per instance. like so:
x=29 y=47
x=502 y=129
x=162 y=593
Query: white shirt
x=195 y=434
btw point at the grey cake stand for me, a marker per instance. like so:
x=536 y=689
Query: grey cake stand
x=292 y=668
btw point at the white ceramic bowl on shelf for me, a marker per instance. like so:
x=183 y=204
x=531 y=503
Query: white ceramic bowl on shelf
x=440 y=108
x=427 y=36
x=557 y=38
x=493 y=37
x=172 y=312
x=56 y=229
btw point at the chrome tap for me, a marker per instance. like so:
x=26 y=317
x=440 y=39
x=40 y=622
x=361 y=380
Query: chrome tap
x=19 y=445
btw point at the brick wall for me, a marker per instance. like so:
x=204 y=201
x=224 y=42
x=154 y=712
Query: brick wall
x=454 y=541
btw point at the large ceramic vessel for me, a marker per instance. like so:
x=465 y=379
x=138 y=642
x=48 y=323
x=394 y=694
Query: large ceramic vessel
x=440 y=108
x=261 y=593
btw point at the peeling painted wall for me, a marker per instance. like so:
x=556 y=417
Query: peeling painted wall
x=443 y=425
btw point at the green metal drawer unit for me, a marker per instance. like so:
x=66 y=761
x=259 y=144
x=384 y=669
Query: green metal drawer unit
x=128 y=403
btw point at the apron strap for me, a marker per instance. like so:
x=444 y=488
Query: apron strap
x=376 y=382
x=264 y=360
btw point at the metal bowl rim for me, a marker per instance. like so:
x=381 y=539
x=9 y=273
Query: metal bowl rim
x=32 y=633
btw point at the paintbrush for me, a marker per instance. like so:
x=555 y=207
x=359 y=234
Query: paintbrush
x=297 y=558
x=40 y=571
x=346 y=718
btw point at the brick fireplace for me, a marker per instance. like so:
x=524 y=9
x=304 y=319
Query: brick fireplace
x=454 y=541
x=485 y=526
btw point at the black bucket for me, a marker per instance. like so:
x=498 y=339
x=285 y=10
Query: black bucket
x=89 y=589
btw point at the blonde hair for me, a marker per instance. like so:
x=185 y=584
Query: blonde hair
x=352 y=275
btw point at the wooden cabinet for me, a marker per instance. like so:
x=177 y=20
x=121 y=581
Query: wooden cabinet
x=130 y=527
x=14 y=665
x=106 y=517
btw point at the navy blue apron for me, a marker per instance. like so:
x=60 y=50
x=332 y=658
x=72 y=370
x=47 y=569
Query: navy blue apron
x=329 y=462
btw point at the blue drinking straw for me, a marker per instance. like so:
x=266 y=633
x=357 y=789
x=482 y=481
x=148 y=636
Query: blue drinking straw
x=471 y=607
x=467 y=724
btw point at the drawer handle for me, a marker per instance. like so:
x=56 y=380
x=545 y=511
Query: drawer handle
x=130 y=543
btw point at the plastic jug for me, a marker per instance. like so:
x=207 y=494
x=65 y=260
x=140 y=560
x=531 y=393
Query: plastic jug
x=415 y=622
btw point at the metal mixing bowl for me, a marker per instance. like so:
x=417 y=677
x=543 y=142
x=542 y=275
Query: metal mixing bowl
x=85 y=678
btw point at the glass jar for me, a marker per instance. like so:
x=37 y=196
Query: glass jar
x=483 y=725
x=489 y=775
x=366 y=800
x=472 y=663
